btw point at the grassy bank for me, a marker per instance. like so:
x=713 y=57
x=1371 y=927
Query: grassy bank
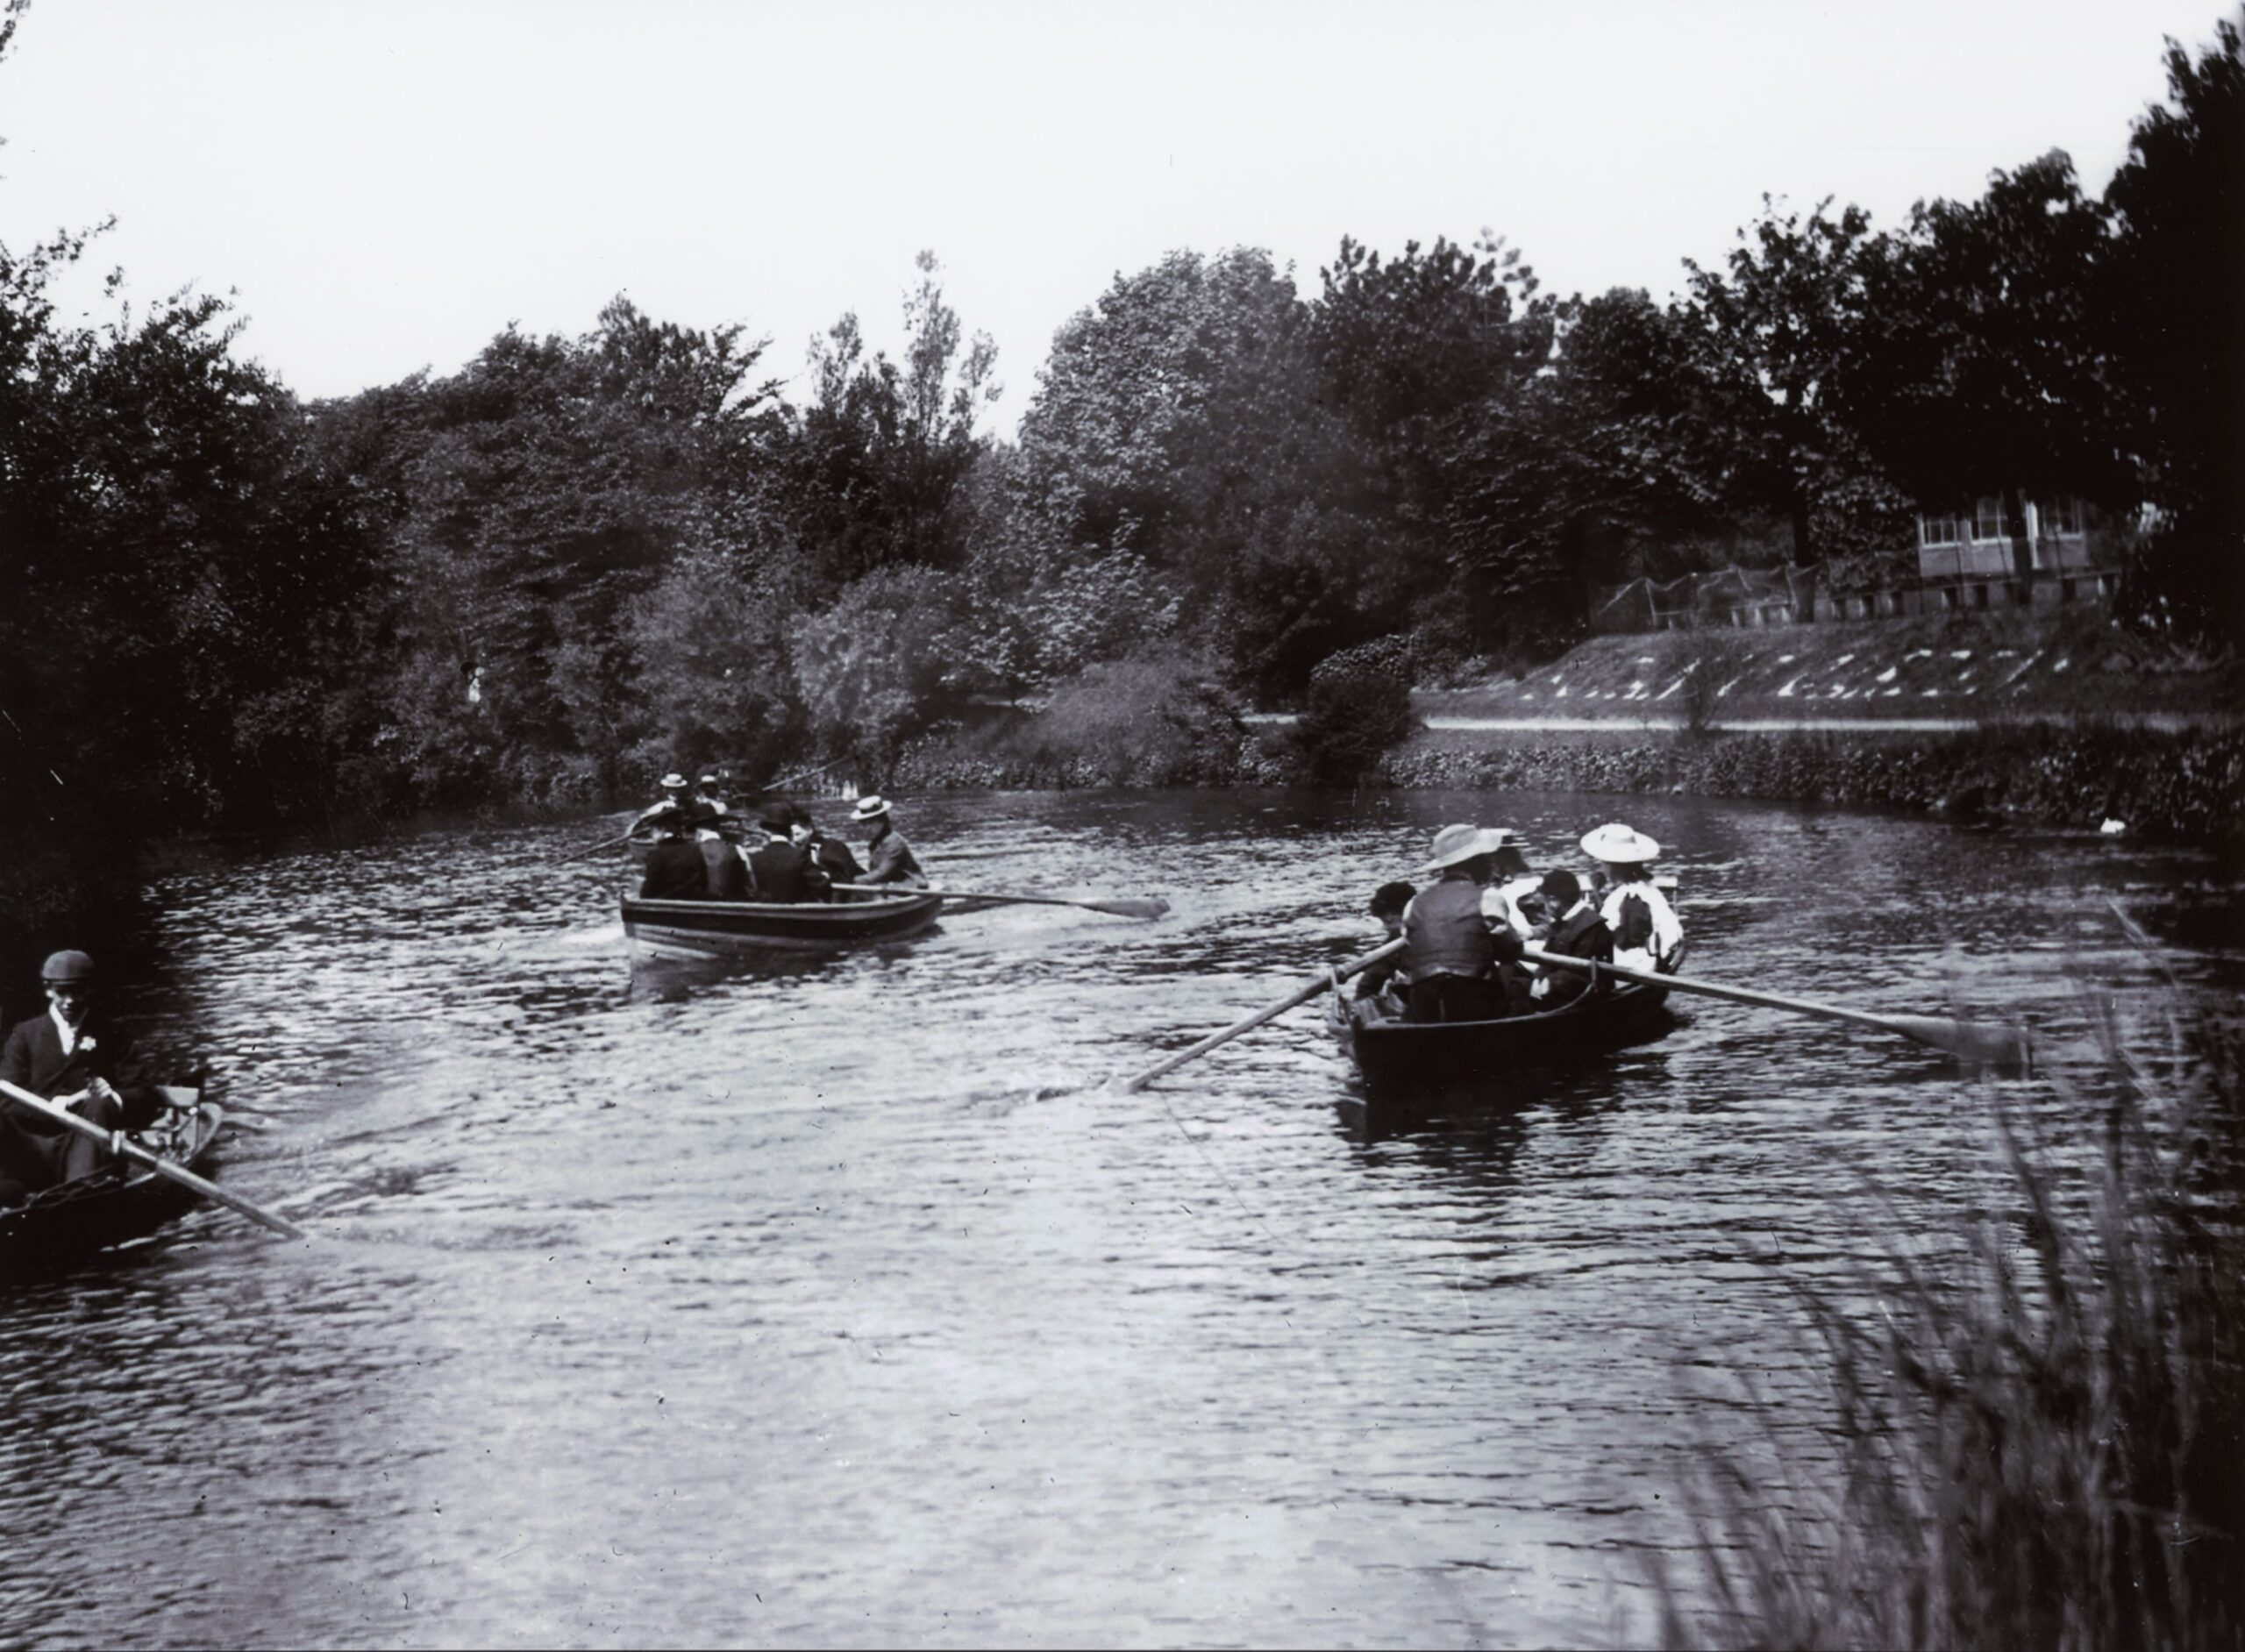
x=2039 y=1436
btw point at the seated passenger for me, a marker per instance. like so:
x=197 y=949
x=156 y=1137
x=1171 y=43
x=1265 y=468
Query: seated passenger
x=888 y=858
x=1577 y=930
x=831 y=861
x=676 y=870
x=1517 y=888
x=1647 y=935
x=781 y=868
x=1388 y=902
x=1456 y=939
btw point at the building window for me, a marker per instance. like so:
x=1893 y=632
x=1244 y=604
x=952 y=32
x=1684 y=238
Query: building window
x=2061 y=516
x=1936 y=530
x=1987 y=520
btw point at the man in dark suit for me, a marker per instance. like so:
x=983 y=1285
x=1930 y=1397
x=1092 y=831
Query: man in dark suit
x=780 y=870
x=1577 y=930
x=676 y=870
x=68 y=1056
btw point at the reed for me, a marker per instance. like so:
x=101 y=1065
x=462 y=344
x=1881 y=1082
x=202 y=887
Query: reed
x=2038 y=1438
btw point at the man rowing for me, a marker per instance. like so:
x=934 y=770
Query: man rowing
x=889 y=860
x=1459 y=945
x=70 y=1057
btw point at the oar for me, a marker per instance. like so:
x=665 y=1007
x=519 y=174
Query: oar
x=1127 y=906
x=162 y=1166
x=595 y=849
x=1971 y=1040
x=1326 y=980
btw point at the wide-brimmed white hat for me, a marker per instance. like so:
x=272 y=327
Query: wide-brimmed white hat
x=1619 y=845
x=1461 y=843
x=873 y=806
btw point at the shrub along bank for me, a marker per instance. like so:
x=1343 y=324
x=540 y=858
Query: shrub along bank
x=2184 y=784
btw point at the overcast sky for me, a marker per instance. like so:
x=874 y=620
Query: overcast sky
x=388 y=185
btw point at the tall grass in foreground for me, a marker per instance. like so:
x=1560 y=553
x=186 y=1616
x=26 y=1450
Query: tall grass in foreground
x=2039 y=1446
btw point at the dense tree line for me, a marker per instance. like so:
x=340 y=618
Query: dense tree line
x=578 y=562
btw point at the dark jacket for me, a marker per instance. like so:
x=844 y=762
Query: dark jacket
x=727 y=873
x=675 y=872
x=1445 y=933
x=1582 y=934
x=890 y=859
x=33 y=1149
x=778 y=871
x=833 y=857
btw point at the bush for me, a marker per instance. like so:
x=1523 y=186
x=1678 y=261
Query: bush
x=1358 y=709
x=1158 y=721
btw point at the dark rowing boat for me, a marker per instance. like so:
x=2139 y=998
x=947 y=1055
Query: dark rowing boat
x=1404 y=1061
x=729 y=928
x=64 y=1224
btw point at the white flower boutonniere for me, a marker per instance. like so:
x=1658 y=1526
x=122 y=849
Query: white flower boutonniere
x=86 y=1046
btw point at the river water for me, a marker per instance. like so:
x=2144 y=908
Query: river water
x=838 y=1302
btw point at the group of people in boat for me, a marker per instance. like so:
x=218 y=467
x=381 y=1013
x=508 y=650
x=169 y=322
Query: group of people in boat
x=1466 y=934
x=71 y=1058
x=704 y=850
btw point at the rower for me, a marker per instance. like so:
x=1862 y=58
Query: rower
x=888 y=858
x=672 y=807
x=1647 y=933
x=71 y=1057
x=1457 y=933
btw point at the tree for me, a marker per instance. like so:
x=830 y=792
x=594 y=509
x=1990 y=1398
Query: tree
x=1771 y=333
x=871 y=465
x=2175 y=268
x=1975 y=365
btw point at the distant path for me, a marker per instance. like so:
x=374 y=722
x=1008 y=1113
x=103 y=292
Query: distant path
x=2164 y=721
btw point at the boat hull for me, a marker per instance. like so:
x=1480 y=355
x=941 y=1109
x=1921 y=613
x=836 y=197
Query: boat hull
x=1402 y=1061
x=733 y=929
x=65 y=1224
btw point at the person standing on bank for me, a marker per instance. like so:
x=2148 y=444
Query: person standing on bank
x=1457 y=940
x=70 y=1057
x=888 y=858
x=1647 y=933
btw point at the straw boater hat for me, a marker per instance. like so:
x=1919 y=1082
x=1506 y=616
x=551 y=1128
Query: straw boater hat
x=1619 y=845
x=673 y=782
x=872 y=805
x=1455 y=844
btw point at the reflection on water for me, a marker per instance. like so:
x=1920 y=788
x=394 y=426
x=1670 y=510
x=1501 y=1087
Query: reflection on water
x=840 y=1300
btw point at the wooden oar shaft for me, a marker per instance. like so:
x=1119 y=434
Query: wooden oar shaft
x=1125 y=907
x=1300 y=996
x=1976 y=1039
x=156 y=1162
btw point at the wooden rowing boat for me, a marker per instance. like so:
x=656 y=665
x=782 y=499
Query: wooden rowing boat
x=1404 y=1061
x=62 y=1225
x=727 y=929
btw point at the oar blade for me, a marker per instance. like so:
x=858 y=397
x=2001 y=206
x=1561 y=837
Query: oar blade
x=1150 y=907
x=1983 y=1043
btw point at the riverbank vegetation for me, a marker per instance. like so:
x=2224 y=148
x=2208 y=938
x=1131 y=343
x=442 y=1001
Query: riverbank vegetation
x=2036 y=1442
x=576 y=562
